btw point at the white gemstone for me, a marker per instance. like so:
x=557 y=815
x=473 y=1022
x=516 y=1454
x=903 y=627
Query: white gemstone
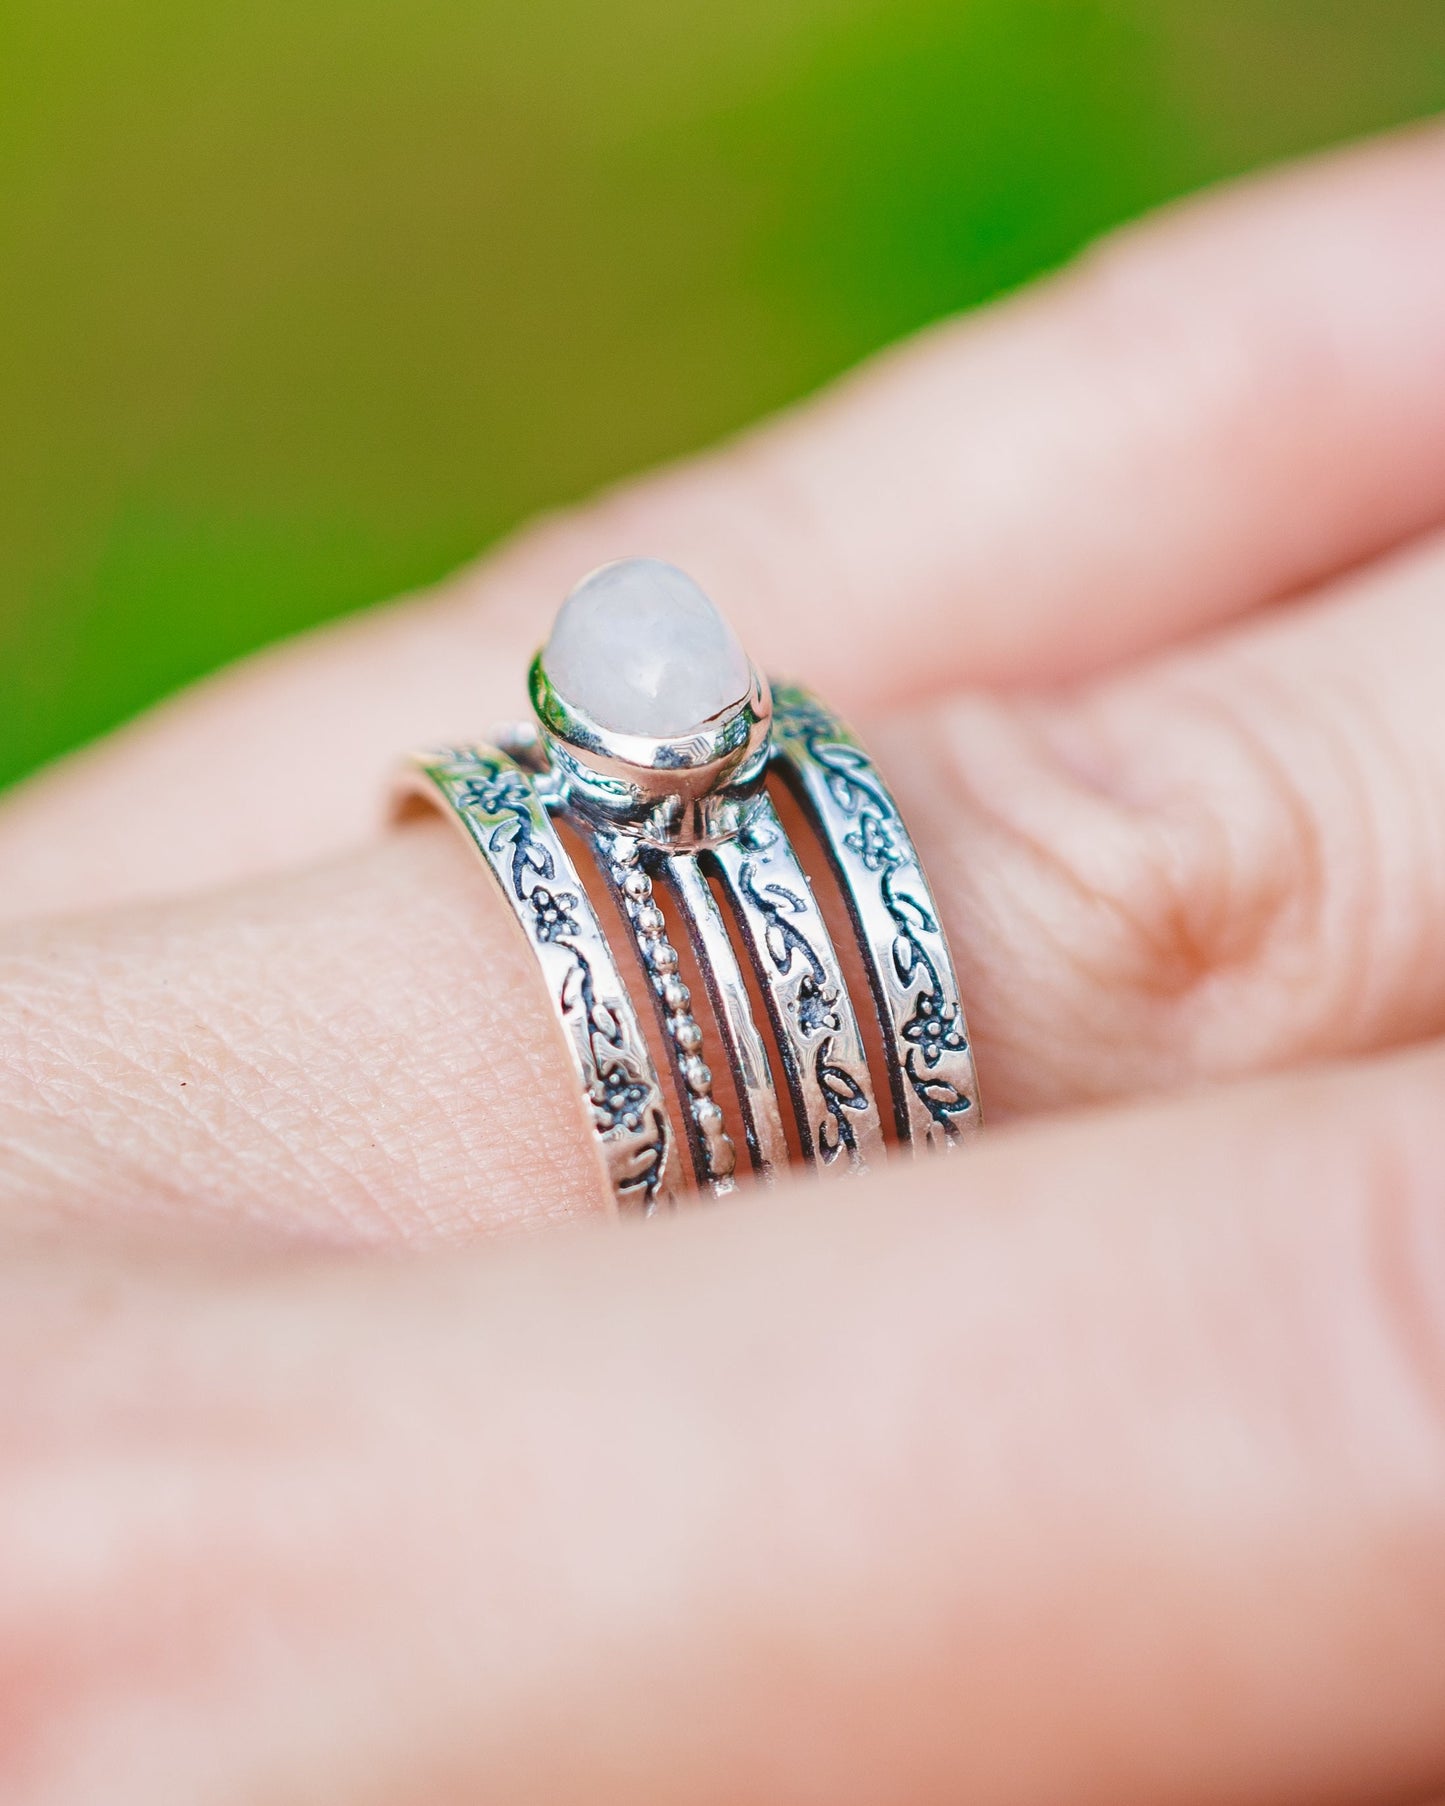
x=639 y=648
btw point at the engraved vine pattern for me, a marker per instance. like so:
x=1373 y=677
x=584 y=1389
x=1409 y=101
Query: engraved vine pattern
x=815 y=1002
x=626 y=1109
x=934 y=1030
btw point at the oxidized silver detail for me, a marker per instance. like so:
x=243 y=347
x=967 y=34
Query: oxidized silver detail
x=713 y=1154
x=813 y=1019
x=911 y=974
x=728 y=992
x=497 y=805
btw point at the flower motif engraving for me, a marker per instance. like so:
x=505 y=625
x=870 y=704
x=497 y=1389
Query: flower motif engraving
x=816 y=1008
x=619 y=1099
x=875 y=843
x=497 y=792
x=552 y=913
x=933 y=1028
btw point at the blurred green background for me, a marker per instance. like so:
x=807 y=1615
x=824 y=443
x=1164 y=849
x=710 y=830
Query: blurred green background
x=302 y=301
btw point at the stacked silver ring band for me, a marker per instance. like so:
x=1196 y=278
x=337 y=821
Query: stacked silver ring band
x=657 y=742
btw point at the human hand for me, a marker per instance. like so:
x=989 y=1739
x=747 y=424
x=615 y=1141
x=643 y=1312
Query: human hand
x=1107 y=1463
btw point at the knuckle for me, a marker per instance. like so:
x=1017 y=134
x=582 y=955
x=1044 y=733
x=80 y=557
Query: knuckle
x=1253 y=809
x=1249 y=850
x=1305 y=834
x=1067 y=901
x=1148 y=860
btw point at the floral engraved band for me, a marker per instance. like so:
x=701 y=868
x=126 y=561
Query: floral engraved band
x=668 y=755
x=497 y=804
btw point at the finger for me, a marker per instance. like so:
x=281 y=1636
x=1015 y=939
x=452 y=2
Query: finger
x=363 y=1053
x=1218 y=409
x=1228 y=860
x=1125 y=1482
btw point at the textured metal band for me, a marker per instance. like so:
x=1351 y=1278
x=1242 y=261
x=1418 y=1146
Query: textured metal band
x=797 y=967
x=620 y=860
x=706 y=930
x=497 y=805
x=930 y=1063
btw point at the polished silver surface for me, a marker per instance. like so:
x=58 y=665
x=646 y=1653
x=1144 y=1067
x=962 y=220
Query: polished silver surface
x=496 y=804
x=910 y=970
x=714 y=1158
x=679 y=793
x=798 y=971
x=702 y=921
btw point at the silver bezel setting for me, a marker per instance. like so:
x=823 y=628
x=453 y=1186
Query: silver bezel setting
x=684 y=793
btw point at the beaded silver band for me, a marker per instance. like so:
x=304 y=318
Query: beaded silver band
x=674 y=821
x=762 y=1115
x=713 y=1156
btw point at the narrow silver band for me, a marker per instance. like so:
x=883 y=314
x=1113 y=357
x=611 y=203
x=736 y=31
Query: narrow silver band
x=796 y=964
x=915 y=989
x=713 y=1157
x=762 y=1117
x=497 y=806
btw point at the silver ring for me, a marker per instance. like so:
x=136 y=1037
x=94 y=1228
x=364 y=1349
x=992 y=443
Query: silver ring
x=656 y=739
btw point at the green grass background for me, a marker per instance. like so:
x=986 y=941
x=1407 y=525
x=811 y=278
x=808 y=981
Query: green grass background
x=302 y=301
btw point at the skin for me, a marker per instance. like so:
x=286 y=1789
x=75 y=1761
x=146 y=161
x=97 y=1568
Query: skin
x=349 y=1452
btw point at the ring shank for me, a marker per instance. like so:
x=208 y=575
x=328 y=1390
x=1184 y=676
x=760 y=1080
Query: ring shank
x=910 y=970
x=497 y=805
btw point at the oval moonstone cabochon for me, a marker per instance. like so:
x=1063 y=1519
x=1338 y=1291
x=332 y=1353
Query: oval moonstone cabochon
x=640 y=649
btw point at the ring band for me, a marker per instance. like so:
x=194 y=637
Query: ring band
x=717 y=960
x=714 y=1158
x=655 y=741
x=915 y=991
x=819 y=1040
x=497 y=805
